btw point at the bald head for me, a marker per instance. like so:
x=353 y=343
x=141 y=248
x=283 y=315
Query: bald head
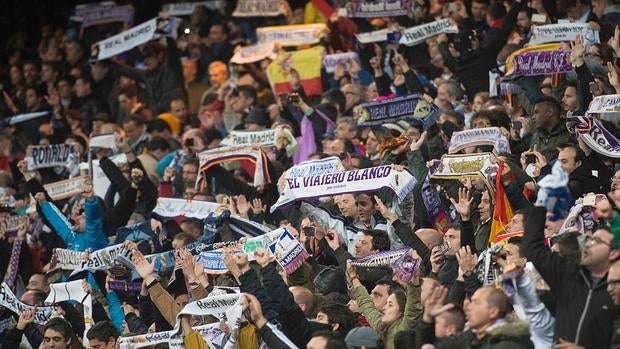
x=430 y=237
x=303 y=297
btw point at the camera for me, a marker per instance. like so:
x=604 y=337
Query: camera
x=309 y=231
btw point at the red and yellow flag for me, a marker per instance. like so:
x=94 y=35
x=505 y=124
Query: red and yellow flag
x=307 y=63
x=502 y=213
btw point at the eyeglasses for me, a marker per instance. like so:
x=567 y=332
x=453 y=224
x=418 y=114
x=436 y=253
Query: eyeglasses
x=591 y=240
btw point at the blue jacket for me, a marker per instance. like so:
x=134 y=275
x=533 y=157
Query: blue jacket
x=94 y=236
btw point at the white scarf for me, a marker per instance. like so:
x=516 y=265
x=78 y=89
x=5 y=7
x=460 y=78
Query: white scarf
x=9 y=301
x=418 y=34
x=479 y=136
x=368 y=179
x=50 y=155
x=73 y=291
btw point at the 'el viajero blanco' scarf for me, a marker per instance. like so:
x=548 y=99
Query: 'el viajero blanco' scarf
x=367 y=179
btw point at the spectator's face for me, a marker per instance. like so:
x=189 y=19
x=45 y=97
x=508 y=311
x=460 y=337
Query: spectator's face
x=363 y=246
x=55 y=340
x=613 y=283
x=371 y=92
x=342 y=131
x=598 y=7
x=29 y=298
x=346 y=205
x=453 y=236
x=365 y=208
x=82 y=89
x=569 y=100
x=31 y=73
x=541 y=116
x=17 y=78
x=190 y=173
x=391 y=311
x=372 y=144
x=485 y=206
x=99 y=72
x=217 y=75
x=98 y=344
x=352 y=96
x=48 y=74
x=478 y=311
x=322 y=318
x=182 y=300
x=125 y=103
x=73 y=52
x=523 y=22
x=478 y=102
x=65 y=90
x=32 y=100
x=478 y=11
x=515 y=224
x=242 y=103
x=513 y=255
x=38 y=282
x=566 y=157
x=316 y=342
x=596 y=251
x=334 y=147
x=151 y=62
x=444 y=93
x=379 y=296
x=132 y=130
x=178 y=109
x=481 y=122
x=615 y=181
x=216 y=34
x=595 y=53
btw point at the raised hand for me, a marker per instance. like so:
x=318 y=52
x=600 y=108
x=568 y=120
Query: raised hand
x=467 y=260
x=26 y=318
x=251 y=303
x=463 y=206
x=40 y=197
x=385 y=212
x=88 y=192
x=243 y=206
x=418 y=144
x=435 y=304
x=169 y=173
x=136 y=175
x=144 y=268
x=612 y=74
x=436 y=259
x=187 y=265
x=333 y=239
x=257 y=206
x=577 y=51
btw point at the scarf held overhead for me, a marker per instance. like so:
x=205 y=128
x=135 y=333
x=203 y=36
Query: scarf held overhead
x=368 y=179
x=415 y=108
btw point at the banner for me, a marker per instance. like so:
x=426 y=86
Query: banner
x=186 y=8
x=257 y=8
x=66 y=188
x=367 y=179
x=104 y=14
x=12 y=223
x=318 y=167
x=415 y=108
x=288 y=252
x=138 y=35
x=594 y=134
x=44 y=156
x=213 y=157
x=480 y=165
x=420 y=33
x=374 y=36
x=98 y=260
x=542 y=34
x=376 y=8
x=10 y=301
x=308 y=65
x=254 y=53
x=292 y=35
x=479 y=136
x=16 y=119
x=538 y=60
x=264 y=138
x=604 y=104
x=73 y=291
x=502 y=210
x=331 y=61
x=81 y=9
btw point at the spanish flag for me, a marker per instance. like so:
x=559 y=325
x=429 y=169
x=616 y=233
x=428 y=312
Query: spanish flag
x=502 y=213
x=307 y=63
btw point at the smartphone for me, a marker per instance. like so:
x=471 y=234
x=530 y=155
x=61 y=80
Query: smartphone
x=309 y=231
x=530 y=159
x=293 y=98
x=189 y=142
x=283 y=98
x=517 y=125
x=452 y=7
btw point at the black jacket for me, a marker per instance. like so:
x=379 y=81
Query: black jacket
x=581 y=181
x=586 y=316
